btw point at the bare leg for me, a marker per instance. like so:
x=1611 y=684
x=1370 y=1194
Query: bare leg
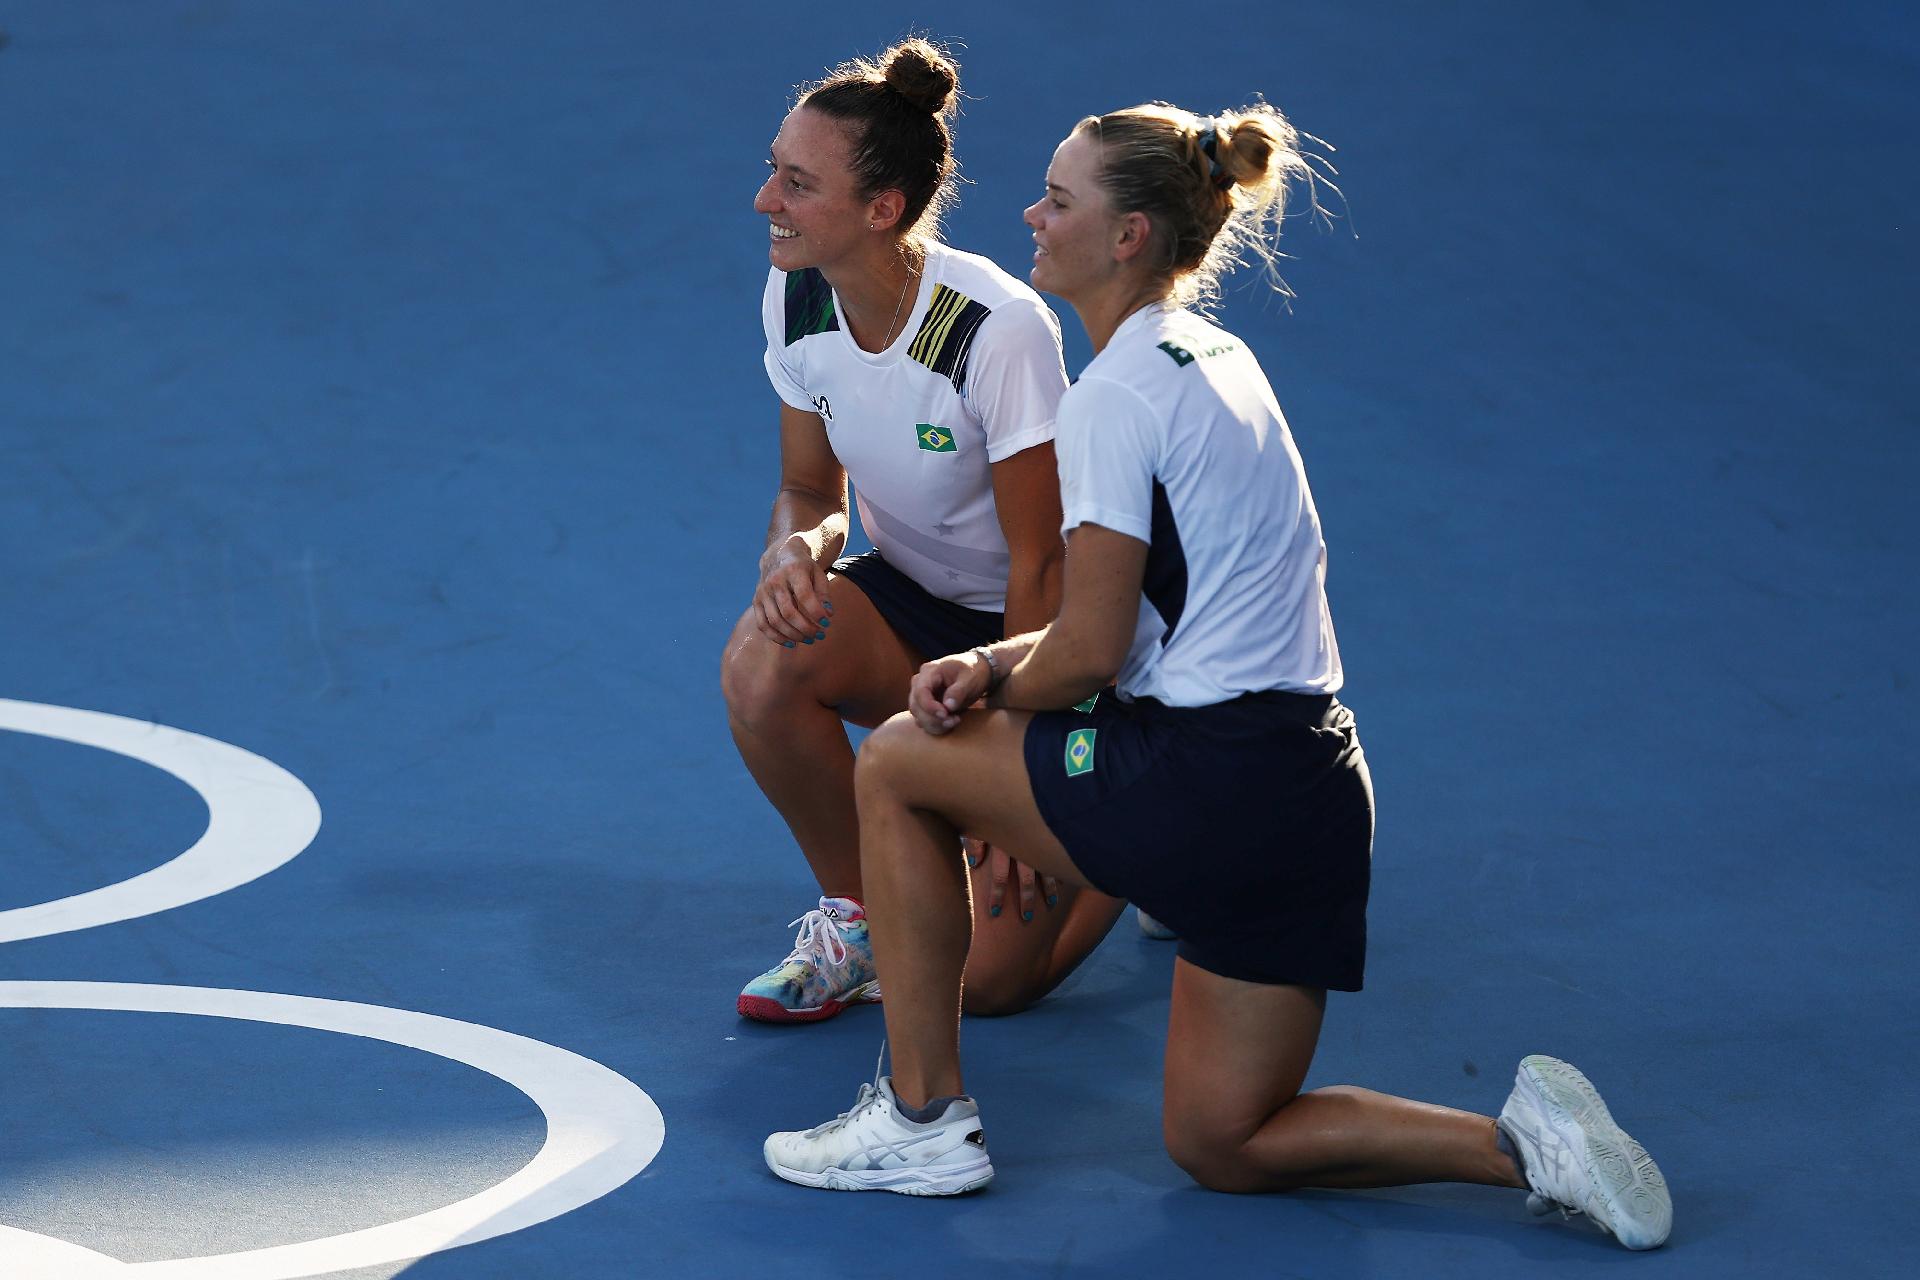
x=916 y=792
x=1236 y=1121
x=786 y=708
x=920 y=925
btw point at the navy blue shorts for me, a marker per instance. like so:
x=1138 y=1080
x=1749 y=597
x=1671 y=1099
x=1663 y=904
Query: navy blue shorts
x=1246 y=826
x=930 y=626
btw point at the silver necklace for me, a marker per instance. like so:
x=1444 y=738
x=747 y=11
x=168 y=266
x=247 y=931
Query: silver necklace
x=888 y=341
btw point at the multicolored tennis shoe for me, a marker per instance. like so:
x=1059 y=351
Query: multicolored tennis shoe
x=829 y=968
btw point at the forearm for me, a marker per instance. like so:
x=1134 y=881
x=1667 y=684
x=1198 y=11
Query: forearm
x=814 y=518
x=1045 y=670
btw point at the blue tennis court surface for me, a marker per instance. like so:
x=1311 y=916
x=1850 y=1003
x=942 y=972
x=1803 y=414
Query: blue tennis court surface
x=380 y=397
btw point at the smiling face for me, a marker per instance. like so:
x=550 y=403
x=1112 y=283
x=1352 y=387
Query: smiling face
x=813 y=208
x=1073 y=228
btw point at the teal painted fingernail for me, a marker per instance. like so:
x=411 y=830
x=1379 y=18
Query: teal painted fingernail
x=826 y=622
x=829 y=605
x=1027 y=916
x=994 y=912
x=818 y=635
x=787 y=643
x=1053 y=899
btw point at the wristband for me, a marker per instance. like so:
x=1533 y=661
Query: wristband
x=994 y=675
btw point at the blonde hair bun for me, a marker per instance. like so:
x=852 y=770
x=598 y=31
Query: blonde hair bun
x=1214 y=188
x=1247 y=144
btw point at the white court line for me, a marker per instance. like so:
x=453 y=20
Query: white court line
x=27 y=1254
x=602 y=1130
x=259 y=817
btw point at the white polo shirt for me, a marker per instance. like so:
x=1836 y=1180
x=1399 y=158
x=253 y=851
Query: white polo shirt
x=974 y=377
x=1172 y=435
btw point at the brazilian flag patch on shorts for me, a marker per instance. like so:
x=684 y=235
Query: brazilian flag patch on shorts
x=1080 y=752
x=1088 y=705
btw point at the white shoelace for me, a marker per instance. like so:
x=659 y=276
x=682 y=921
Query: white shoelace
x=819 y=938
x=868 y=1095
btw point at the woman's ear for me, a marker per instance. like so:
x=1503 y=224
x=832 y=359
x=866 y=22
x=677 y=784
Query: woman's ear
x=884 y=210
x=1132 y=234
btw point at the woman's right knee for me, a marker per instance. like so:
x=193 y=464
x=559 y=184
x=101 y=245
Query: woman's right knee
x=757 y=676
x=888 y=751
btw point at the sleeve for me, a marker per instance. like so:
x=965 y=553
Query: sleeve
x=1015 y=375
x=1108 y=447
x=783 y=370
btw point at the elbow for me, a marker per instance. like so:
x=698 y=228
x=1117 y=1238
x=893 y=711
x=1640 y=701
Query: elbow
x=1092 y=667
x=1103 y=654
x=1103 y=671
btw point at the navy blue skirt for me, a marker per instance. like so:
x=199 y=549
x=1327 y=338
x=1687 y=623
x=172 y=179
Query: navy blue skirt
x=1246 y=826
x=930 y=626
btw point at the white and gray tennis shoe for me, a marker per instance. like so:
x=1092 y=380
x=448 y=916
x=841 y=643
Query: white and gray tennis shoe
x=1578 y=1160
x=874 y=1148
x=1152 y=928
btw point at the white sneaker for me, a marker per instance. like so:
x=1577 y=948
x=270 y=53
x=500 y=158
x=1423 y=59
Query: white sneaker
x=875 y=1148
x=1151 y=927
x=1578 y=1160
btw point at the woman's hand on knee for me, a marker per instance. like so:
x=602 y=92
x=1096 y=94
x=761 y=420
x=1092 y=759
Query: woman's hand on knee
x=1004 y=873
x=944 y=688
x=790 y=606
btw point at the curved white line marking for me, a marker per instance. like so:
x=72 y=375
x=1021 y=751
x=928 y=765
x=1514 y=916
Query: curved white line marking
x=259 y=817
x=27 y=1254
x=602 y=1130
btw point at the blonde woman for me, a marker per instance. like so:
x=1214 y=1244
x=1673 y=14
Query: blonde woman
x=931 y=379
x=1224 y=790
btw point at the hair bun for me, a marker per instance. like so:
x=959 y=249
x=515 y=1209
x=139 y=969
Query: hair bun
x=921 y=72
x=1247 y=146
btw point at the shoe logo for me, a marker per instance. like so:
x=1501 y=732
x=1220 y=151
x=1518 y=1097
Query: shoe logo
x=876 y=1151
x=977 y=1138
x=935 y=439
x=1080 y=752
x=1539 y=1164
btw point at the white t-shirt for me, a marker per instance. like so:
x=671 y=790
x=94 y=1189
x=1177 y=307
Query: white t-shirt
x=974 y=377
x=1172 y=436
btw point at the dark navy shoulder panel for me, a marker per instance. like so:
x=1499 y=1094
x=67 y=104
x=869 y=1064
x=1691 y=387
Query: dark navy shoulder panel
x=809 y=305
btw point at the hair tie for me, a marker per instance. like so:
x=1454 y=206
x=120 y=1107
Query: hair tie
x=1208 y=135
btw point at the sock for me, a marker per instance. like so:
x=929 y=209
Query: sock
x=1509 y=1150
x=927 y=1114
